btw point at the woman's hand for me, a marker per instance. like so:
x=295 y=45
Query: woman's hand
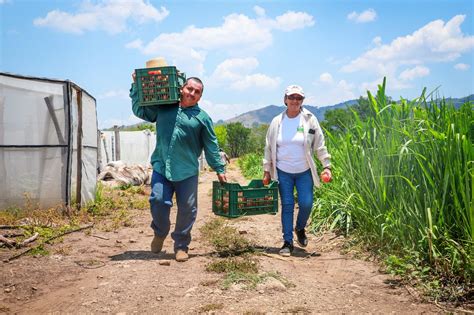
x=326 y=175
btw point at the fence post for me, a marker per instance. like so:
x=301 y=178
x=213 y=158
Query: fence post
x=117 y=143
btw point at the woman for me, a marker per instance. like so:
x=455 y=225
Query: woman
x=292 y=138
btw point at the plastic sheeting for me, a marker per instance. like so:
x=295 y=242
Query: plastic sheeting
x=136 y=147
x=39 y=128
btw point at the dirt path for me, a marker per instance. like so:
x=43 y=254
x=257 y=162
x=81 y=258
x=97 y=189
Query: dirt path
x=114 y=272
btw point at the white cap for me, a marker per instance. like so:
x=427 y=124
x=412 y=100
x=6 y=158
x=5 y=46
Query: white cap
x=294 y=89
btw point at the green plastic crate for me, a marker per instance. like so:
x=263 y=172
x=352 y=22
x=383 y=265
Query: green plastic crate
x=158 y=86
x=233 y=200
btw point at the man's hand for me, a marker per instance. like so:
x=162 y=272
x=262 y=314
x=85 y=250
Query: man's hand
x=222 y=179
x=134 y=76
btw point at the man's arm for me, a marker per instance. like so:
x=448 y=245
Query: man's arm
x=147 y=113
x=211 y=148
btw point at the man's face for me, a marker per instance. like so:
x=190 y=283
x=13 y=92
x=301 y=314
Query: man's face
x=191 y=93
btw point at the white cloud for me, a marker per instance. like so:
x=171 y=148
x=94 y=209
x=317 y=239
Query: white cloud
x=256 y=80
x=413 y=73
x=435 y=42
x=239 y=35
x=138 y=44
x=330 y=93
x=368 y=15
x=121 y=94
x=393 y=83
x=293 y=20
x=326 y=78
x=259 y=11
x=110 y=16
x=377 y=41
x=462 y=66
x=237 y=74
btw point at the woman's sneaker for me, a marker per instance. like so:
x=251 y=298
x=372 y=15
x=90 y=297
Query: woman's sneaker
x=301 y=237
x=287 y=249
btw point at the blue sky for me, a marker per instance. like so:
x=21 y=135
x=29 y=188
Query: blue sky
x=246 y=52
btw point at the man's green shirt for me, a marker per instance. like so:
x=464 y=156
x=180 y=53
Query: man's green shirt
x=181 y=135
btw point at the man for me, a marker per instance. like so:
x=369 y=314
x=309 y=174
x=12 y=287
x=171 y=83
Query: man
x=224 y=157
x=182 y=131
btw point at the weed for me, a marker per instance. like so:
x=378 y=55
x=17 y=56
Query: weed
x=225 y=239
x=39 y=250
x=251 y=280
x=209 y=283
x=242 y=264
x=211 y=307
x=298 y=310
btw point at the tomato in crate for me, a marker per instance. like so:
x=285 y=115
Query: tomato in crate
x=233 y=200
x=159 y=86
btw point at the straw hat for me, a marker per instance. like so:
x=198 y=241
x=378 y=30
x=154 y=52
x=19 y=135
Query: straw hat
x=156 y=62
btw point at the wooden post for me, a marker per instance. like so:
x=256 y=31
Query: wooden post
x=117 y=143
x=99 y=152
x=79 y=150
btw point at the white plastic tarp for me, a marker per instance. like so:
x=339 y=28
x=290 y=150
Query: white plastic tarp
x=36 y=141
x=136 y=147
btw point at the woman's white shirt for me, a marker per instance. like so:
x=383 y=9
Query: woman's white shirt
x=290 y=155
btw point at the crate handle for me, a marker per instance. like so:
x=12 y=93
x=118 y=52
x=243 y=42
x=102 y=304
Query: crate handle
x=181 y=77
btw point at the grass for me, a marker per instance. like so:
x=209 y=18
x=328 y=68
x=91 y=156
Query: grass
x=225 y=239
x=241 y=264
x=110 y=211
x=403 y=186
x=211 y=307
x=251 y=280
x=236 y=259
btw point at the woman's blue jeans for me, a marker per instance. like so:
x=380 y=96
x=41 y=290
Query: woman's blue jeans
x=162 y=191
x=304 y=187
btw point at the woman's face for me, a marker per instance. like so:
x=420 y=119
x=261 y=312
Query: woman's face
x=294 y=102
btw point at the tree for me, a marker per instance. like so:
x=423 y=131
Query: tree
x=257 y=138
x=237 y=139
x=221 y=134
x=337 y=120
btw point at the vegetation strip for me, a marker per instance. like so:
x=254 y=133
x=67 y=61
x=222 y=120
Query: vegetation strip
x=48 y=240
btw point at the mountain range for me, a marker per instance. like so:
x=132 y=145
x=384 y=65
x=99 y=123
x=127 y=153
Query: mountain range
x=265 y=115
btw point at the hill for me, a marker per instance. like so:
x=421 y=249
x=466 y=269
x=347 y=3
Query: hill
x=265 y=115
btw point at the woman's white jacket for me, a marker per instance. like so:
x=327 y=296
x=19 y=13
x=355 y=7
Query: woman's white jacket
x=313 y=144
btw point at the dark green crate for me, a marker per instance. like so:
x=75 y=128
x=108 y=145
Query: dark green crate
x=160 y=85
x=233 y=200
